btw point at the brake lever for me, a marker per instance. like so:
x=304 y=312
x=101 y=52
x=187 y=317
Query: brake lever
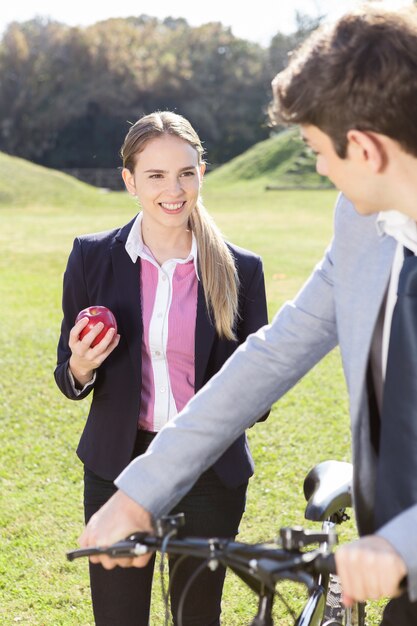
x=134 y=544
x=127 y=548
x=296 y=537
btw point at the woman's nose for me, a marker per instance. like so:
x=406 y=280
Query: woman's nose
x=174 y=186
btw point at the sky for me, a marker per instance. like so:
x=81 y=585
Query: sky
x=271 y=16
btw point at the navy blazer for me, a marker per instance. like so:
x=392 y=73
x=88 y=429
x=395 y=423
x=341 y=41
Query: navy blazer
x=100 y=272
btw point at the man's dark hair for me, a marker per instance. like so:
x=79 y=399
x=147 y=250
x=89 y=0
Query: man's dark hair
x=360 y=73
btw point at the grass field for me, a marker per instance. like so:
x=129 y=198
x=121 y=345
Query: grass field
x=41 y=478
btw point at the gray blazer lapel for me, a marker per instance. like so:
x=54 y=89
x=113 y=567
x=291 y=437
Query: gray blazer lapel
x=375 y=279
x=363 y=261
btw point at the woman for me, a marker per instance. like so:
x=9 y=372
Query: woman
x=183 y=300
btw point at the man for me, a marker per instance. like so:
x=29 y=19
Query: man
x=352 y=88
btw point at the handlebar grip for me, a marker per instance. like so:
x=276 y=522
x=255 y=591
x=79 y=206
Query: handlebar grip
x=130 y=547
x=79 y=552
x=325 y=564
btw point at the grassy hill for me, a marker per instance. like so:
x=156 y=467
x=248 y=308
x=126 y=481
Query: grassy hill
x=23 y=183
x=283 y=160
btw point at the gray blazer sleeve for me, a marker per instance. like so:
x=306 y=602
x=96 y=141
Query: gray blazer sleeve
x=401 y=532
x=269 y=363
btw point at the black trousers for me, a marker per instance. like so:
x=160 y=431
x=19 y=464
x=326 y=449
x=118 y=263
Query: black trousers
x=400 y=612
x=122 y=597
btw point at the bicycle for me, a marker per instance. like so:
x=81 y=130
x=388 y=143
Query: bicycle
x=327 y=488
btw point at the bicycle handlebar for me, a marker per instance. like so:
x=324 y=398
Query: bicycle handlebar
x=261 y=563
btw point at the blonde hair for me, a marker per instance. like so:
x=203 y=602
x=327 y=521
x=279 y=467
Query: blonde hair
x=216 y=263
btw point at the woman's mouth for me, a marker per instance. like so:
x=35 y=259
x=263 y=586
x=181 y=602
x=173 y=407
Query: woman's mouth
x=172 y=207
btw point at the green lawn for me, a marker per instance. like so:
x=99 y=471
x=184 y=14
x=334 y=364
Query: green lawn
x=41 y=478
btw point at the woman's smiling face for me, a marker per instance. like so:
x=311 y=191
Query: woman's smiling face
x=166 y=180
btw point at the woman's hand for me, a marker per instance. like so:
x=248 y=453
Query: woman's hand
x=85 y=359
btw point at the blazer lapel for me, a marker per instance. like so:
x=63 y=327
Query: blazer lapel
x=127 y=275
x=375 y=282
x=204 y=338
x=374 y=277
x=362 y=288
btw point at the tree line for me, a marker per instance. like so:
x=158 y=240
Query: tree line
x=68 y=94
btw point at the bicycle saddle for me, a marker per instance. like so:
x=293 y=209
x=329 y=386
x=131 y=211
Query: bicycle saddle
x=327 y=488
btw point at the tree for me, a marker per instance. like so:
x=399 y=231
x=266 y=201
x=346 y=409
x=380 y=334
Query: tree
x=281 y=45
x=67 y=95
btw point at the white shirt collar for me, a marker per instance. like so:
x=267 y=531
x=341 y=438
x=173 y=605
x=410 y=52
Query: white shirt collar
x=399 y=226
x=135 y=246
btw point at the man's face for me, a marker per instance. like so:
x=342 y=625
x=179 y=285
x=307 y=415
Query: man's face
x=350 y=175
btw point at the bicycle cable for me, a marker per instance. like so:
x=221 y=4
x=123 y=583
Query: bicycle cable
x=165 y=592
x=187 y=587
x=286 y=605
x=172 y=574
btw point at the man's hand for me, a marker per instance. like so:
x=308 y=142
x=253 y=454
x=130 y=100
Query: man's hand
x=117 y=519
x=369 y=569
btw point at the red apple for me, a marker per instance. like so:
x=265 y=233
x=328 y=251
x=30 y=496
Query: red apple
x=97 y=314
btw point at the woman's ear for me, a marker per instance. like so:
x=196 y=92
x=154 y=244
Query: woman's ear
x=129 y=181
x=367 y=147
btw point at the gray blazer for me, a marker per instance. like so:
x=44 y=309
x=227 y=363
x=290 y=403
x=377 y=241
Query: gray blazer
x=339 y=304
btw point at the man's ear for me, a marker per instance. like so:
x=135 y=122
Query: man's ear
x=129 y=181
x=367 y=147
